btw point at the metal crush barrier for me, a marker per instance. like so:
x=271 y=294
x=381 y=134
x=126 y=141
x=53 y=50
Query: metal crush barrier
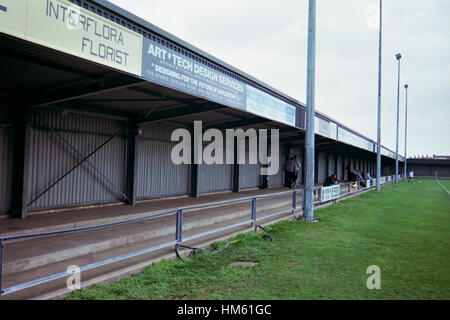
x=179 y=239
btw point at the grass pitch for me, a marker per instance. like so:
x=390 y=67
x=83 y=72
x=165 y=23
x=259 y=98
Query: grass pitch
x=405 y=230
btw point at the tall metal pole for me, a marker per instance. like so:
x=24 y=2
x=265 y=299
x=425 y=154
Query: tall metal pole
x=308 y=203
x=378 y=185
x=398 y=56
x=406 y=126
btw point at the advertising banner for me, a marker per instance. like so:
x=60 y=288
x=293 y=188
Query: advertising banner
x=354 y=187
x=261 y=103
x=322 y=127
x=64 y=26
x=330 y=193
x=169 y=67
x=166 y=66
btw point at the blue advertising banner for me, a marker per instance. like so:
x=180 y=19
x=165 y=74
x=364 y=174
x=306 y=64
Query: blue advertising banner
x=169 y=67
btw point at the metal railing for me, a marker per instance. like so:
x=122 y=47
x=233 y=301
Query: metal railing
x=253 y=220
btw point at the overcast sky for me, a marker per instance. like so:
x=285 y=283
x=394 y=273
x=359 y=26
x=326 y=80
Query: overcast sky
x=267 y=39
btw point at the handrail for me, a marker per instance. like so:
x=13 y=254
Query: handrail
x=179 y=230
x=113 y=224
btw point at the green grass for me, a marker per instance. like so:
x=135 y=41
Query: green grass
x=405 y=230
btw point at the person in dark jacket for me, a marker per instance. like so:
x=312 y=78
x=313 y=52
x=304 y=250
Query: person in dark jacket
x=331 y=180
x=289 y=169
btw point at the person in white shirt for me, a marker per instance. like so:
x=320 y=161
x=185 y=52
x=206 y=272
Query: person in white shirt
x=411 y=176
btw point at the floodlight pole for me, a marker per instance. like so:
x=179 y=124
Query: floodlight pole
x=406 y=126
x=398 y=56
x=378 y=185
x=308 y=203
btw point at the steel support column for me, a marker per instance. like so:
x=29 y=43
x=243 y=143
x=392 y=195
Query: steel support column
x=378 y=185
x=21 y=166
x=335 y=164
x=195 y=171
x=131 y=184
x=316 y=166
x=308 y=203
x=236 y=170
x=303 y=167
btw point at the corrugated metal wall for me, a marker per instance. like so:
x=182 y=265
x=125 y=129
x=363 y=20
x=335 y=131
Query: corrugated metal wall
x=339 y=168
x=331 y=164
x=215 y=177
x=321 y=170
x=347 y=163
x=157 y=175
x=249 y=176
x=6 y=162
x=50 y=158
x=277 y=179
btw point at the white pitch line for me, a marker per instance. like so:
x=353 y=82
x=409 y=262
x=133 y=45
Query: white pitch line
x=448 y=192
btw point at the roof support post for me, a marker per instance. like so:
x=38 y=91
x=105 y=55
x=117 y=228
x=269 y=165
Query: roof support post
x=195 y=170
x=132 y=144
x=308 y=203
x=287 y=153
x=236 y=170
x=316 y=166
x=21 y=167
x=335 y=163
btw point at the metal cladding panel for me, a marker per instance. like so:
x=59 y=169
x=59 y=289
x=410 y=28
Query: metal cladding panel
x=439 y=169
x=347 y=163
x=51 y=158
x=331 y=164
x=157 y=175
x=277 y=179
x=6 y=163
x=215 y=177
x=249 y=175
x=322 y=167
x=339 y=172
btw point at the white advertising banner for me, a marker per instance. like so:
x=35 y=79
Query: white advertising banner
x=330 y=193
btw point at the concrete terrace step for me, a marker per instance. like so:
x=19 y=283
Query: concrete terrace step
x=29 y=254
x=57 y=288
x=85 y=217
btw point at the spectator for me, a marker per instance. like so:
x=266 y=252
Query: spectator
x=351 y=174
x=360 y=179
x=298 y=167
x=411 y=176
x=331 y=180
x=289 y=169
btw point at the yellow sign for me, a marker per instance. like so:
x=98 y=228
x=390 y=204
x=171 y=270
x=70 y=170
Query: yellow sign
x=64 y=26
